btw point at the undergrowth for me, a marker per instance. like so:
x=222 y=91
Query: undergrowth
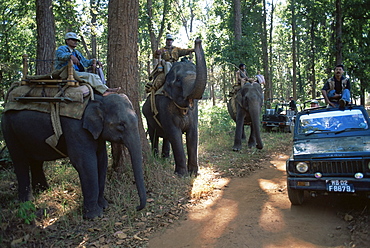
x=58 y=218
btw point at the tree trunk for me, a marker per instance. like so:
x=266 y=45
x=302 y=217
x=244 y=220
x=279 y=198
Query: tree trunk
x=123 y=64
x=338 y=32
x=45 y=36
x=313 y=59
x=93 y=13
x=265 y=55
x=268 y=74
x=237 y=21
x=294 y=49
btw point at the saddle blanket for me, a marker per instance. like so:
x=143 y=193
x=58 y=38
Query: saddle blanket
x=75 y=109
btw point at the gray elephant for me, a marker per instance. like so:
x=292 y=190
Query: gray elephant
x=83 y=140
x=245 y=109
x=177 y=108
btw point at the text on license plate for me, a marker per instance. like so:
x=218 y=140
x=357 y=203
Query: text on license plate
x=339 y=186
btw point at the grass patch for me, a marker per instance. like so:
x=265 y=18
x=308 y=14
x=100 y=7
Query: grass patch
x=59 y=222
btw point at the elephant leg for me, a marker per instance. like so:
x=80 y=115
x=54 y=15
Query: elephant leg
x=240 y=115
x=252 y=138
x=22 y=171
x=39 y=182
x=178 y=152
x=86 y=163
x=102 y=173
x=244 y=137
x=192 y=149
x=154 y=139
x=166 y=146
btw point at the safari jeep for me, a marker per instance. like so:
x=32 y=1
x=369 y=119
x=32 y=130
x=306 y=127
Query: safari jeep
x=331 y=153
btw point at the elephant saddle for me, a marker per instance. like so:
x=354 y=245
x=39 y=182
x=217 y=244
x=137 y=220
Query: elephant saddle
x=73 y=108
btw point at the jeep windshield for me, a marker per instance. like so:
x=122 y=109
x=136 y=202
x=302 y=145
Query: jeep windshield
x=332 y=121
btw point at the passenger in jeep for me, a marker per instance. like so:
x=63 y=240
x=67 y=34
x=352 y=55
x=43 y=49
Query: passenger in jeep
x=337 y=90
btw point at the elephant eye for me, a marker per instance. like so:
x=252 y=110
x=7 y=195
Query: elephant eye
x=121 y=127
x=178 y=83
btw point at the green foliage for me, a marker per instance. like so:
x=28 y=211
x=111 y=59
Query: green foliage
x=214 y=22
x=214 y=120
x=26 y=211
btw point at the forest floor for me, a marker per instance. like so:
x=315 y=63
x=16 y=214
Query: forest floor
x=243 y=205
x=254 y=211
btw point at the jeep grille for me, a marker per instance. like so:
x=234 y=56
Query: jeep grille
x=339 y=168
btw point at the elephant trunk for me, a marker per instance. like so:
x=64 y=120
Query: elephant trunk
x=137 y=163
x=256 y=126
x=201 y=71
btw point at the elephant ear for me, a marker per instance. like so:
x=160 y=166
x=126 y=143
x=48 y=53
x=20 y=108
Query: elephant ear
x=171 y=83
x=93 y=118
x=241 y=97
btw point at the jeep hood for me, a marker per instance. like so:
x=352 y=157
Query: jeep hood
x=340 y=146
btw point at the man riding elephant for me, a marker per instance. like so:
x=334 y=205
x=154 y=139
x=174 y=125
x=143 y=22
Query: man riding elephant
x=166 y=57
x=69 y=52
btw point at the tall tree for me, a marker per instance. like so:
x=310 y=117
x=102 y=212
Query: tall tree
x=338 y=32
x=268 y=92
x=45 y=36
x=294 y=50
x=93 y=12
x=237 y=20
x=123 y=64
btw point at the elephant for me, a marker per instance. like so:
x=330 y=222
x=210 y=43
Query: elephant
x=106 y=118
x=177 y=107
x=246 y=111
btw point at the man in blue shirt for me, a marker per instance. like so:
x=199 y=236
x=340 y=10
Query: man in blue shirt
x=337 y=90
x=68 y=52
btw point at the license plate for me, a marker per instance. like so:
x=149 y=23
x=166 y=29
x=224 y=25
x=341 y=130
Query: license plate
x=339 y=186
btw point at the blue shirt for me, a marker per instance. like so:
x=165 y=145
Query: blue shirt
x=63 y=55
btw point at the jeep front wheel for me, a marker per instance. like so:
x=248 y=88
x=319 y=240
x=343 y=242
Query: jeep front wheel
x=296 y=196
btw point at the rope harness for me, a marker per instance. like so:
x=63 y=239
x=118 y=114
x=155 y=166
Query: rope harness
x=153 y=106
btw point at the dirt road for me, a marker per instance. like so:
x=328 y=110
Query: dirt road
x=255 y=212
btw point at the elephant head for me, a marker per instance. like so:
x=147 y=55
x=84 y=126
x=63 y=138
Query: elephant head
x=248 y=110
x=186 y=81
x=113 y=118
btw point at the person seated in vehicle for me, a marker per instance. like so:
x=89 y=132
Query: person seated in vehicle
x=166 y=56
x=69 y=52
x=292 y=104
x=314 y=104
x=337 y=90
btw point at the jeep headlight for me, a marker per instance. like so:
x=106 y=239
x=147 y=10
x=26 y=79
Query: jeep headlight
x=302 y=167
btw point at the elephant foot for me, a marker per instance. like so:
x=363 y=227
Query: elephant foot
x=251 y=145
x=181 y=173
x=193 y=173
x=91 y=214
x=103 y=203
x=236 y=149
x=259 y=147
x=39 y=187
x=165 y=155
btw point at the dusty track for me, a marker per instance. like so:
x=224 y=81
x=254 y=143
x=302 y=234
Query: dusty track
x=255 y=212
